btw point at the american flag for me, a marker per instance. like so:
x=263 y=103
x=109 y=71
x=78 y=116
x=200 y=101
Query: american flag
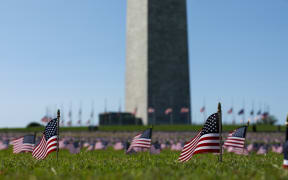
x=236 y=140
x=46 y=119
x=151 y=110
x=23 y=144
x=135 y=111
x=48 y=142
x=265 y=115
x=184 y=110
x=74 y=147
x=69 y=123
x=142 y=141
x=202 y=109
x=4 y=144
x=168 y=111
x=206 y=141
x=241 y=112
x=80 y=117
x=230 y=111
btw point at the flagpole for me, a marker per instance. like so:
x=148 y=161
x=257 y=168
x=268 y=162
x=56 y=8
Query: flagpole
x=286 y=138
x=151 y=127
x=58 y=119
x=220 y=130
x=248 y=123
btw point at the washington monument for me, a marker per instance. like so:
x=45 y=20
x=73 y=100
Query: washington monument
x=157 y=67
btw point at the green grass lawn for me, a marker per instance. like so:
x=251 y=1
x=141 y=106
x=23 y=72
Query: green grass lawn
x=110 y=164
x=260 y=128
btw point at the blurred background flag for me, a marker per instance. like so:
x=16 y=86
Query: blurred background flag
x=79 y=122
x=241 y=112
x=48 y=142
x=4 y=144
x=265 y=115
x=236 y=140
x=206 y=141
x=230 y=111
x=74 y=147
x=184 y=110
x=141 y=141
x=69 y=123
x=202 y=109
x=135 y=111
x=118 y=146
x=151 y=110
x=45 y=119
x=168 y=111
x=23 y=144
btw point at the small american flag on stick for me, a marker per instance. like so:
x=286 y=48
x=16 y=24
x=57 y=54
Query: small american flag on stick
x=230 y=111
x=142 y=140
x=23 y=144
x=46 y=119
x=184 y=110
x=48 y=142
x=151 y=110
x=168 y=111
x=202 y=109
x=135 y=111
x=236 y=140
x=206 y=141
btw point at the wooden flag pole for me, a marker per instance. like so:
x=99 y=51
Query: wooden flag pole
x=220 y=130
x=58 y=119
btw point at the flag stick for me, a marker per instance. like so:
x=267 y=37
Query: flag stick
x=220 y=130
x=286 y=128
x=58 y=119
x=248 y=123
x=151 y=127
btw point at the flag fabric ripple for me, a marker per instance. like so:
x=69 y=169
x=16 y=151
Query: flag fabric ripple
x=48 y=142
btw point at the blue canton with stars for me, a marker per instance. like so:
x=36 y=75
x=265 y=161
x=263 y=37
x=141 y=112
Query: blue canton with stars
x=51 y=129
x=211 y=125
x=240 y=132
x=29 y=139
x=147 y=134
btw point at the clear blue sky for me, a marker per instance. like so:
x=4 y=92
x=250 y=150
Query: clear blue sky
x=57 y=52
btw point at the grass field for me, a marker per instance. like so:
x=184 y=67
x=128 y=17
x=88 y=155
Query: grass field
x=260 y=128
x=110 y=164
